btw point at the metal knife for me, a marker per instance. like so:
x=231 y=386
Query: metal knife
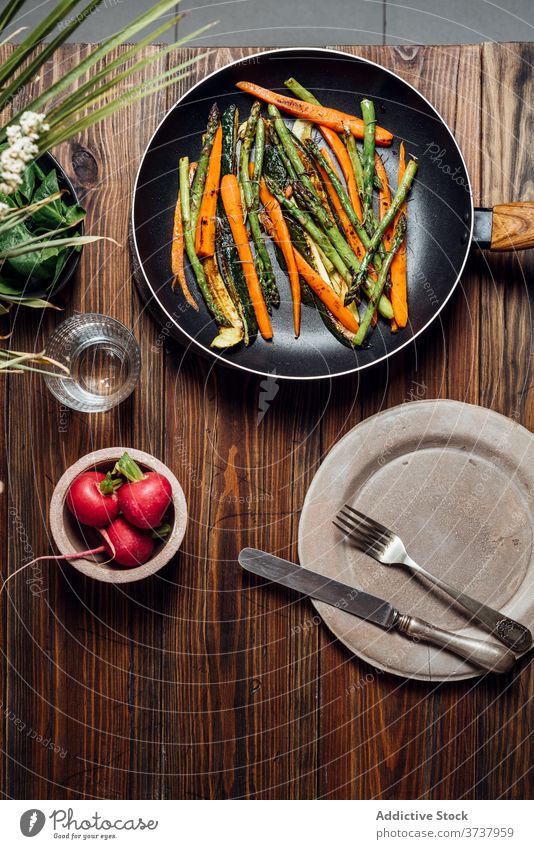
x=482 y=653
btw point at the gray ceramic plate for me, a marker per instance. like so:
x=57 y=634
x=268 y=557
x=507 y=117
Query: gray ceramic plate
x=457 y=483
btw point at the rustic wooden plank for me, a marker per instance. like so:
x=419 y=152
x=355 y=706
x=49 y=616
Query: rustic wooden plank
x=504 y=722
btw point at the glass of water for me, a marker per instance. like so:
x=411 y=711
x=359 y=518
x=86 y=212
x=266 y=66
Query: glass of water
x=103 y=359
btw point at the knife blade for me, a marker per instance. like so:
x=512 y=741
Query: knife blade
x=319 y=587
x=487 y=655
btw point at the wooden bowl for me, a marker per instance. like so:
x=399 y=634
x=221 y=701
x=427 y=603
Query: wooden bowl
x=70 y=536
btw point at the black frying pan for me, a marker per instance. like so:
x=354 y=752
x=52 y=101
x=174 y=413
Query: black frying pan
x=441 y=218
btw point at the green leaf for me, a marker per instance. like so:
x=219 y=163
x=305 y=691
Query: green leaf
x=48 y=186
x=125 y=35
x=26 y=47
x=34 y=303
x=24 y=194
x=31 y=69
x=9 y=12
x=8 y=288
x=74 y=214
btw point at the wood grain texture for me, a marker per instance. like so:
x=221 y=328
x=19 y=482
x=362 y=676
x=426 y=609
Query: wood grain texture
x=513 y=226
x=199 y=683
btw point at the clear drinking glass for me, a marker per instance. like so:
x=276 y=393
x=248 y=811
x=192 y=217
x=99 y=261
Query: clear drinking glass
x=103 y=358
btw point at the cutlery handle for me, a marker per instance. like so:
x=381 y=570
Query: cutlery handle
x=508 y=631
x=488 y=656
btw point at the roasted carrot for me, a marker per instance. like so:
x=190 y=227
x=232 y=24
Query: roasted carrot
x=332 y=118
x=231 y=198
x=343 y=158
x=282 y=238
x=399 y=298
x=327 y=295
x=352 y=237
x=177 y=256
x=205 y=232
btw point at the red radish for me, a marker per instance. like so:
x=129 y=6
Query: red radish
x=126 y=545
x=145 y=496
x=93 y=500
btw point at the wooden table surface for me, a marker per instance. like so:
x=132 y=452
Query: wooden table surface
x=195 y=684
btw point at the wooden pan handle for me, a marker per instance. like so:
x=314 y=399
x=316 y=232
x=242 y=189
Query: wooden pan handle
x=513 y=226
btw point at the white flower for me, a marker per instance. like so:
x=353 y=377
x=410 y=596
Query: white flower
x=21 y=149
x=4 y=209
x=33 y=124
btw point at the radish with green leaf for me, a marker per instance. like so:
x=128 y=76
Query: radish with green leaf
x=145 y=496
x=93 y=500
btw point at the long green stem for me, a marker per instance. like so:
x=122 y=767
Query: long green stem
x=259 y=149
x=66 y=131
x=17 y=215
x=251 y=193
x=396 y=203
x=196 y=265
x=101 y=52
x=35 y=245
x=301 y=92
x=244 y=156
x=398 y=238
x=277 y=144
x=31 y=68
x=80 y=92
x=13 y=361
x=26 y=47
x=355 y=161
x=369 y=121
x=8 y=13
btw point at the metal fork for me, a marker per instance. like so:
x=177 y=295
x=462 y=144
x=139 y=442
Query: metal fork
x=379 y=542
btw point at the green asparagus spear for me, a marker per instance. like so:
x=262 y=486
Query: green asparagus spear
x=229 y=123
x=189 y=242
x=369 y=121
x=398 y=238
x=396 y=203
x=259 y=149
x=251 y=194
x=246 y=145
x=289 y=147
x=199 y=182
x=277 y=145
x=355 y=161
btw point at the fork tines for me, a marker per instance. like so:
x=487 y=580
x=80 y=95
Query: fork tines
x=368 y=534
